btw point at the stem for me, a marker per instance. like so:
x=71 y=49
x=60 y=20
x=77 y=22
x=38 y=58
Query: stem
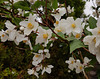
x=81 y=56
x=66 y=8
x=46 y=10
x=85 y=49
x=85 y=75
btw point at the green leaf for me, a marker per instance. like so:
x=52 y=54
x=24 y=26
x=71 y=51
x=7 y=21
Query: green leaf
x=22 y=5
x=61 y=34
x=16 y=21
x=92 y=22
x=75 y=44
x=54 y=4
x=37 y=47
x=37 y=4
x=70 y=38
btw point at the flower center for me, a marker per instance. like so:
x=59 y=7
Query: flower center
x=36 y=56
x=72 y=62
x=81 y=67
x=73 y=25
x=45 y=36
x=3 y=35
x=57 y=22
x=24 y=41
x=30 y=26
x=57 y=30
x=94 y=40
x=99 y=31
x=77 y=35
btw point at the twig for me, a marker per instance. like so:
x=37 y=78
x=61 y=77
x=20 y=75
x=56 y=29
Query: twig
x=66 y=8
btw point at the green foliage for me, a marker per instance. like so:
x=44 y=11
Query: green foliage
x=37 y=4
x=92 y=23
x=75 y=44
x=22 y=5
x=77 y=4
x=61 y=35
x=54 y=4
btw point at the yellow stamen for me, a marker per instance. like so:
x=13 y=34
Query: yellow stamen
x=99 y=31
x=3 y=35
x=30 y=26
x=94 y=40
x=81 y=67
x=57 y=22
x=73 y=25
x=57 y=30
x=72 y=62
x=45 y=36
x=36 y=56
x=77 y=35
x=24 y=41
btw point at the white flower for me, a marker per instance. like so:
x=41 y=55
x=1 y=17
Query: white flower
x=90 y=41
x=61 y=26
x=19 y=38
x=69 y=9
x=30 y=25
x=32 y=71
x=71 y=63
x=96 y=32
x=61 y=12
x=86 y=60
x=37 y=58
x=4 y=36
x=27 y=42
x=47 y=55
x=73 y=26
x=43 y=36
x=77 y=35
x=12 y=35
x=79 y=66
x=9 y=25
x=47 y=69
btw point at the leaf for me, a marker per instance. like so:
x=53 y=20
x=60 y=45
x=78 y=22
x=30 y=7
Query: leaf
x=16 y=21
x=92 y=22
x=22 y=5
x=75 y=44
x=37 y=47
x=54 y=4
x=37 y=4
x=70 y=38
x=61 y=34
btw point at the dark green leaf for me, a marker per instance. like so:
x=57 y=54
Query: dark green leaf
x=92 y=22
x=22 y=5
x=54 y=4
x=37 y=4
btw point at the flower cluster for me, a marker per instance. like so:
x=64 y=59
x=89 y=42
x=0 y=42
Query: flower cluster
x=77 y=65
x=68 y=27
x=93 y=41
x=38 y=61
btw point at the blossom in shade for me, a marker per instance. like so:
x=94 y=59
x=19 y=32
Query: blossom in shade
x=30 y=25
x=43 y=36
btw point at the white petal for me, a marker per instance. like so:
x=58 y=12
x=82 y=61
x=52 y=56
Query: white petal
x=98 y=57
x=27 y=31
x=9 y=25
